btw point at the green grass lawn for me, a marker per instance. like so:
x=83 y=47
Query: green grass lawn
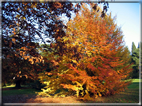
x=131 y=95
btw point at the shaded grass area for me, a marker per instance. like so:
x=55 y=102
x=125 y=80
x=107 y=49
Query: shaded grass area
x=19 y=91
x=11 y=90
x=12 y=95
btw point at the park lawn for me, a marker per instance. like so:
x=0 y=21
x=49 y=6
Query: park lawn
x=130 y=95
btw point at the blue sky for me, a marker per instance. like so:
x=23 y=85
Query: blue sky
x=128 y=18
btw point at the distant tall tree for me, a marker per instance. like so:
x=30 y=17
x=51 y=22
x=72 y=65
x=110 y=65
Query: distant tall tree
x=133 y=47
x=135 y=61
x=141 y=57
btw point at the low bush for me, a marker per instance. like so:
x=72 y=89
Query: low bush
x=36 y=85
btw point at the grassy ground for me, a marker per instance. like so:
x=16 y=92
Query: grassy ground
x=10 y=90
x=131 y=95
x=18 y=91
x=9 y=86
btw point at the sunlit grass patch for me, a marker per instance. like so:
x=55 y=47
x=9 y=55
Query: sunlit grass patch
x=9 y=86
x=13 y=85
x=137 y=80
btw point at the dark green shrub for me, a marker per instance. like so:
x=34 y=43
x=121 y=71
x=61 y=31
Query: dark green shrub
x=36 y=85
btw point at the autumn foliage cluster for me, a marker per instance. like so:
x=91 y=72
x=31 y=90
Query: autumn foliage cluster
x=85 y=58
x=23 y=24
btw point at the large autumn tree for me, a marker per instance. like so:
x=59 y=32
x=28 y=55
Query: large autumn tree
x=86 y=57
x=17 y=62
x=123 y=52
x=23 y=24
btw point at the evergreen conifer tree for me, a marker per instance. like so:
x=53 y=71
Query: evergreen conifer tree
x=135 y=61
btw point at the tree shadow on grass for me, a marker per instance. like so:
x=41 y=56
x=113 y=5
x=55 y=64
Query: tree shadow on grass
x=33 y=98
x=15 y=95
x=19 y=98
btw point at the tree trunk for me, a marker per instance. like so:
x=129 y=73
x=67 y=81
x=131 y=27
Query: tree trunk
x=18 y=83
x=4 y=84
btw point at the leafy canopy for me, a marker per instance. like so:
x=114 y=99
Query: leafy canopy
x=85 y=58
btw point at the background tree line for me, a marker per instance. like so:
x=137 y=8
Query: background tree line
x=135 y=59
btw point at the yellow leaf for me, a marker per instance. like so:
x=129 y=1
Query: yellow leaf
x=24 y=53
x=21 y=53
x=74 y=61
x=49 y=73
x=23 y=18
x=17 y=24
x=17 y=16
x=13 y=40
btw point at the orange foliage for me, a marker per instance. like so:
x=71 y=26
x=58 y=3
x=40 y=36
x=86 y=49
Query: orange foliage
x=87 y=56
